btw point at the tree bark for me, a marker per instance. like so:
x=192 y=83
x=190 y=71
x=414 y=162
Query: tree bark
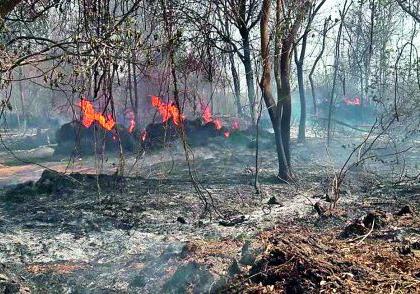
x=317 y=59
x=336 y=64
x=302 y=121
x=236 y=84
x=135 y=106
x=285 y=99
x=275 y=111
x=249 y=74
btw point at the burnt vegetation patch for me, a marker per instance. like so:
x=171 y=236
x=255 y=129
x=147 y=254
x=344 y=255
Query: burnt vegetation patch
x=300 y=259
x=240 y=146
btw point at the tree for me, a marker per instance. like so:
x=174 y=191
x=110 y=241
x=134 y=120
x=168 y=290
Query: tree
x=412 y=7
x=289 y=17
x=243 y=15
x=347 y=4
x=314 y=65
x=299 y=60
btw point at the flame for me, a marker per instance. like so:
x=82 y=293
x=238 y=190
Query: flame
x=235 y=125
x=349 y=101
x=143 y=135
x=217 y=123
x=167 y=110
x=208 y=117
x=132 y=126
x=131 y=120
x=90 y=115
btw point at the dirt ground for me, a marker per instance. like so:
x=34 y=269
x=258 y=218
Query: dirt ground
x=146 y=233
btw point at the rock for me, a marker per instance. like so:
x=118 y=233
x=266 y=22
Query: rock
x=233 y=269
x=405 y=210
x=319 y=208
x=181 y=220
x=191 y=276
x=248 y=254
x=273 y=201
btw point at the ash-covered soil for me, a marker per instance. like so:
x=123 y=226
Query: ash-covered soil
x=147 y=232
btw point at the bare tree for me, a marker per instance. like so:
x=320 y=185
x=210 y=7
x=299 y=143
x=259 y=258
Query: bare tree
x=299 y=61
x=289 y=17
x=243 y=15
x=412 y=7
x=343 y=13
x=315 y=64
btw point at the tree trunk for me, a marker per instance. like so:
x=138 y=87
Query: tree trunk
x=336 y=65
x=236 y=84
x=136 y=93
x=285 y=98
x=275 y=111
x=302 y=121
x=317 y=59
x=22 y=100
x=249 y=74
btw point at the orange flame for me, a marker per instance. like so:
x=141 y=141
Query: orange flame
x=217 y=123
x=208 y=117
x=90 y=115
x=132 y=126
x=167 y=110
x=143 y=135
x=131 y=119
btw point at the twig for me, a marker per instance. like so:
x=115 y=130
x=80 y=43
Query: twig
x=365 y=236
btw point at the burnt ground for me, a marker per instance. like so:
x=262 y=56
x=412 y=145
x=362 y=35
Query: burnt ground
x=146 y=233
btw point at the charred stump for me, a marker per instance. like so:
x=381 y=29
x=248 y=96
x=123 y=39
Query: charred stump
x=75 y=139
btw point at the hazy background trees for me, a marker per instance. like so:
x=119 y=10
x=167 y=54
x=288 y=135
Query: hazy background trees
x=225 y=53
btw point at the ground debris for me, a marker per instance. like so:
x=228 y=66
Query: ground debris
x=361 y=226
x=301 y=260
x=232 y=222
x=11 y=283
x=191 y=276
x=405 y=210
x=55 y=268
